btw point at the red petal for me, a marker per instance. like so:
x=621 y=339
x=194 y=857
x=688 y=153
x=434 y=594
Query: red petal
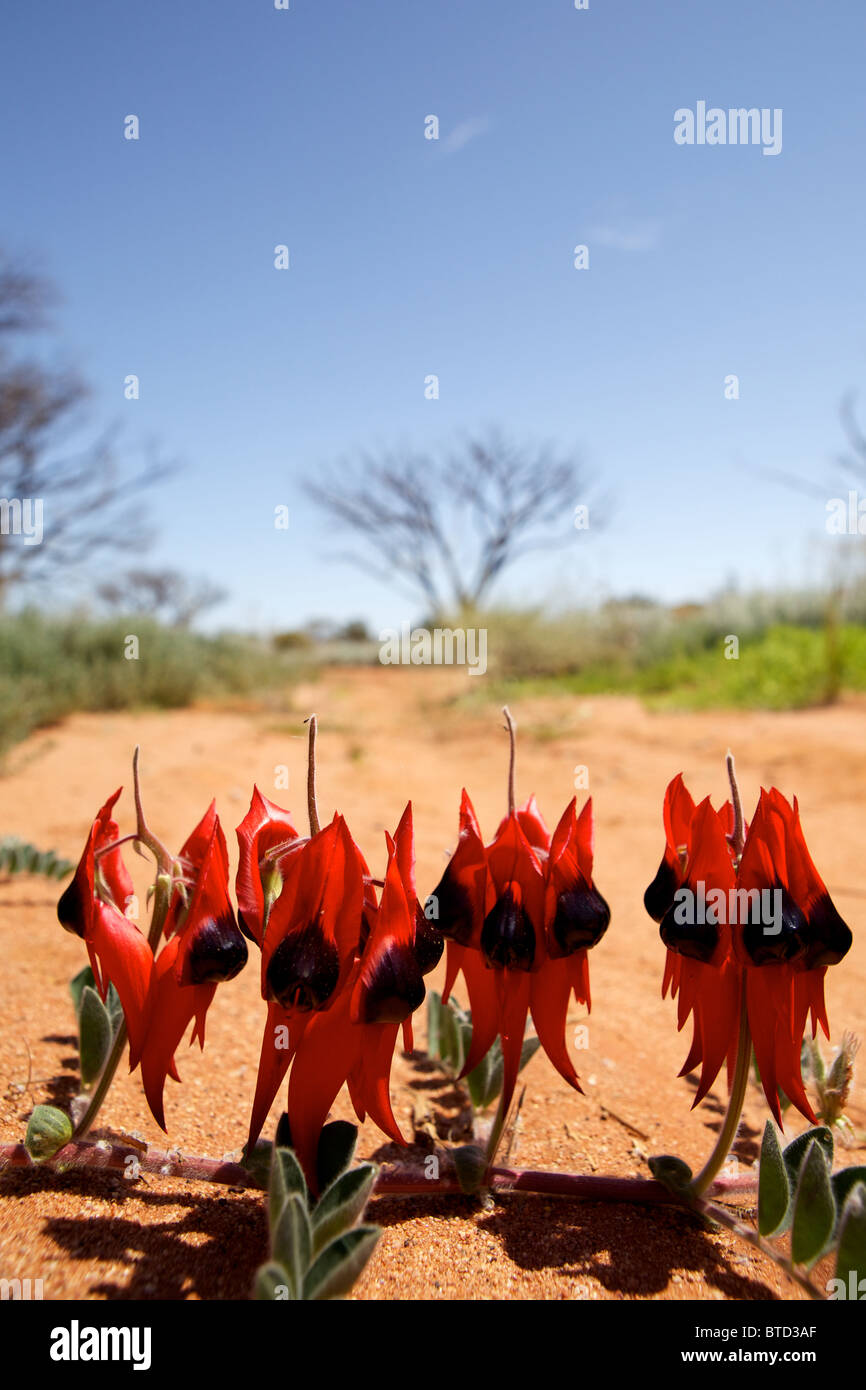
x=328 y=1051
x=484 y=1005
x=532 y=824
x=114 y=872
x=512 y=860
x=373 y=1076
x=454 y=957
x=549 y=997
x=389 y=976
x=171 y=1006
x=679 y=810
x=274 y=1062
x=263 y=828
x=120 y=955
x=514 y=990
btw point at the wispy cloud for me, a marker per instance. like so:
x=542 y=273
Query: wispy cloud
x=463 y=133
x=627 y=236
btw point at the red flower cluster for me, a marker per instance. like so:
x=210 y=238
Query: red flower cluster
x=341 y=971
x=94 y=908
x=204 y=947
x=520 y=915
x=767 y=927
x=747 y=921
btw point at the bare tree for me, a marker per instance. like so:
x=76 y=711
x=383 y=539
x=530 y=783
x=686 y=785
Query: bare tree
x=853 y=461
x=58 y=509
x=172 y=597
x=446 y=528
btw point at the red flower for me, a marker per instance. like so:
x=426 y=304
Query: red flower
x=764 y=925
x=93 y=907
x=204 y=948
x=266 y=837
x=520 y=916
x=343 y=974
x=309 y=947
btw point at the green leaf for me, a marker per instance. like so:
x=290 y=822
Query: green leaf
x=434 y=1021
x=451 y=1046
x=495 y=1074
x=115 y=1009
x=337 y=1144
x=843 y=1182
x=77 y=984
x=798 y=1148
x=340 y=1263
x=272 y=1283
x=287 y=1179
x=774 y=1186
x=485 y=1082
x=17 y=857
x=814 y=1207
x=342 y=1204
x=47 y=1132
x=292 y=1241
x=478 y=1082
x=470 y=1160
x=851 y=1247
x=95 y=1035
x=464 y=1035
x=816 y=1060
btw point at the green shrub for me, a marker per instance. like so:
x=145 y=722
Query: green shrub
x=52 y=666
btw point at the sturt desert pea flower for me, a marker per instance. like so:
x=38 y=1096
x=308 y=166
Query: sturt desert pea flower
x=353 y=1040
x=759 y=949
x=338 y=970
x=519 y=916
x=309 y=947
x=93 y=907
x=204 y=948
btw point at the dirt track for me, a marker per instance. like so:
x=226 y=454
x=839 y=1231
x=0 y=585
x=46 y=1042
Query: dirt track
x=385 y=737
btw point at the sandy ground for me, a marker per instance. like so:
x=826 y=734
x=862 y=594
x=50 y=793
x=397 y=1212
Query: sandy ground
x=386 y=736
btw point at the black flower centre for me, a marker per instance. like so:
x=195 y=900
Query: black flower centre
x=304 y=969
x=508 y=936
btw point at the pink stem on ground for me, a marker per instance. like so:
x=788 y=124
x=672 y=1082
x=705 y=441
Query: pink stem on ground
x=399 y=1180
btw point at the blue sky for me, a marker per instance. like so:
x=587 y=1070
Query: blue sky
x=411 y=256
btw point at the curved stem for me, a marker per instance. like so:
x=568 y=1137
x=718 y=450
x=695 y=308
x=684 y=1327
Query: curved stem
x=512 y=729
x=495 y=1138
x=727 y=1133
x=94 y=1105
x=143 y=832
x=312 y=808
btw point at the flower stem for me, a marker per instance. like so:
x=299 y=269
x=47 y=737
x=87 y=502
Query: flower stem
x=731 y=1124
x=312 y=809
x=144 y=835
x=161 y=899
x=495 y=1137
x=738 y=838
x=511 y=727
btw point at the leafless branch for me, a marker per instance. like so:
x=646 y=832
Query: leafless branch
x=412 y=512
